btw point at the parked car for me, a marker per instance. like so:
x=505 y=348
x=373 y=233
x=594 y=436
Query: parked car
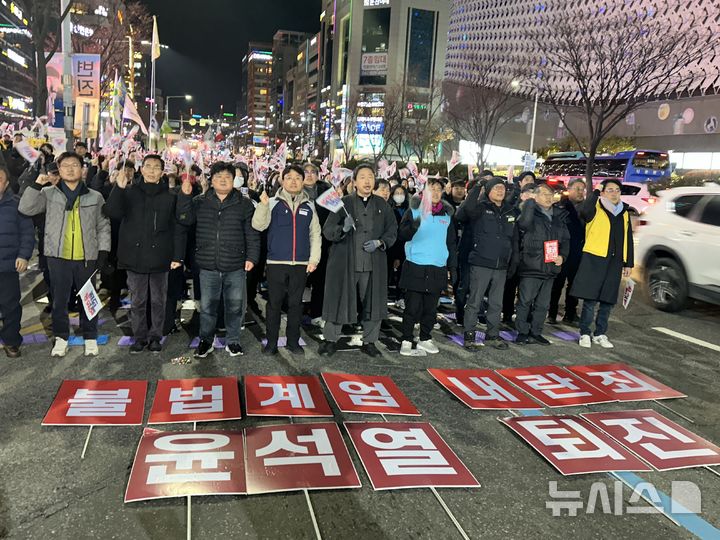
x=677 y=247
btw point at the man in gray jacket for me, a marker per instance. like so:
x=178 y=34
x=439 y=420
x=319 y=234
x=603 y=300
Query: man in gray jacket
x=77 y=241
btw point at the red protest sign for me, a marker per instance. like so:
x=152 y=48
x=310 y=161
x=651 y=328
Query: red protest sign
x=285 y=396
x=181 y=463
x=624 y=383
x=407 y=455
x=573 y=445
x=368 y=394
x=552 y=250
x=482 y=389
x=196 y=400
x=661 y=442
x=291 y=457
x=554 y=387
x=94 y=403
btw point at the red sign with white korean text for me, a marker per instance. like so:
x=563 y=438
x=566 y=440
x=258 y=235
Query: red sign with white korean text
x=573 y=445
x=94 y=403
x=285 y=396
x=181 y=463
x=368 y=394
x=661 y=442
x=482 y=389
x=554 y=387
x=290 y=457
x=400 y=455
x=552 y=250
x=196 y=400
x=624 y=383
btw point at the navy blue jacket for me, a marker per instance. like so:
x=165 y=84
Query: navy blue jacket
x=17 y=234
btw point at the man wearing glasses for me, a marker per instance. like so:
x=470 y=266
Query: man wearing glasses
x=607 y=258
x=150 y=244
x=77 y=241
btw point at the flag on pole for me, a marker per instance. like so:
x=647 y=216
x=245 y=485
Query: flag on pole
x=90 y=299
x=454 y=161
x=155 y=40
x=330 y=200
x=130 y=113
x=118 y=96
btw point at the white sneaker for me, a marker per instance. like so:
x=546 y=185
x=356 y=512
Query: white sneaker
x=91 y=347
x=585 y=341
x=428 y=346
x=400 y=304
x=318 y=321
x=406 y=348
x=603 y=341
x=60 y=347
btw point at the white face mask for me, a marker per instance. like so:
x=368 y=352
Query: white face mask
x=399 y=199
x=238 y=181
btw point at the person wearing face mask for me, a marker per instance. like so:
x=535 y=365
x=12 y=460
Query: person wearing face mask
x=399 y=202
x=357 y=266
x=150 y=244
x=607 y=258
x=293 y=253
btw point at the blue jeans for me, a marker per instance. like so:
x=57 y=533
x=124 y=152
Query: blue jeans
x=232 y=287
x=601 y=322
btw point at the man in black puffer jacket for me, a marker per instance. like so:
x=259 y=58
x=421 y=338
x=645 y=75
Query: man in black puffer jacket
x=542 y=247
x=227 y=248
x=150 y=244
x=491 y=222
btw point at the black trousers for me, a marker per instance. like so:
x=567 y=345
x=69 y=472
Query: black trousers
x=284 y=281
x=64 y=275
x=10 y=308
x=533 y=302
x=316 y=281
x=509 y=294
x=144 y=289
x=419 y=307
x=571 y=303
x=175 y=290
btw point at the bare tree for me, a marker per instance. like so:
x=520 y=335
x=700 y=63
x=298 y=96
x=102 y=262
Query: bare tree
x=424 y=126
x=604 y=66
x=477 y=112
x=347 y=134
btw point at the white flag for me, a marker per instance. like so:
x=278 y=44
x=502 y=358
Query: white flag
x=331 y=200
x=130 y=113
x=155 y=40
x=90 y=299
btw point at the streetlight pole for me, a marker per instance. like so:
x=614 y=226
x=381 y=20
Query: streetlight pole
x=534 y=119
x=187 y=97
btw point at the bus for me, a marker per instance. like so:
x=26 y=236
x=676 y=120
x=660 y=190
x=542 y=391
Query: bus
x=634 y=166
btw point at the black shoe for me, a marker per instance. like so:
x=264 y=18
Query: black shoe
x=270 y=350
x=552 y=320
x=204 y=348
x=12 y=352
x=233 y=349
x=569 y=320
x=538 y=339
x=370 y=349
x=469 y=341
x=295 y=349
x=460 y=320
x=47 y=309
x=327 y=348
x=497 y=342
x=521 y=339
x=138 y=347
x=155 y=346
x=509 y=323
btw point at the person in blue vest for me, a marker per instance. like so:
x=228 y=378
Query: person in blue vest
x=294 y=245
x=431 y=259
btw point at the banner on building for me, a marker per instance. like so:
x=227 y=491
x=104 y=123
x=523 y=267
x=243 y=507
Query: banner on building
x=369 y=394
x=179 y=464
x=196 y=400
x=292 y=457
x=92 y=403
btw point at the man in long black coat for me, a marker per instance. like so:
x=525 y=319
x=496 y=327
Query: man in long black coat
x=607 y=258
x=357 y=263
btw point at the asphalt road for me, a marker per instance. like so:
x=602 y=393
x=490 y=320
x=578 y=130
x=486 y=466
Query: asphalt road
x=47 y=491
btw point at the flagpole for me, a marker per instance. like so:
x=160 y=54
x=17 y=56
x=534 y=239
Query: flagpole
x=153 y=107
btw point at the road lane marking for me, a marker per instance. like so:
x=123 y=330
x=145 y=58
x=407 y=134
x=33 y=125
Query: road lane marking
x=689 y=339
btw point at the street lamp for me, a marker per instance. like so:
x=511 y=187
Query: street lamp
x=187 y=97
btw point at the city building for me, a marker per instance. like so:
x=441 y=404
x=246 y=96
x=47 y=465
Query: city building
x=254 y=109
x=16 y=65
x=488 y=41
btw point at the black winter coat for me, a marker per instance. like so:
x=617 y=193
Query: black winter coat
x=533 y=230
x=576 y=228
x=17 y=236
x=149 y=238
x=491 y=227
x=224 y=236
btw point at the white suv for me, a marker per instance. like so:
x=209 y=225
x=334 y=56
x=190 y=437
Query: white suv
x=677 y=246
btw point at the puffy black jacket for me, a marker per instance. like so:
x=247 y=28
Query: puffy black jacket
x=149 y=239
x=491 y=227
x=225 y=239
x=17 y=236
x=533 y=230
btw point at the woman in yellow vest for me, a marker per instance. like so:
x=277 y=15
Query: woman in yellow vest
x=607 y=258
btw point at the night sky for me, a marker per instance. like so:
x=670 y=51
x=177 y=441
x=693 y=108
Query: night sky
x=208 y=39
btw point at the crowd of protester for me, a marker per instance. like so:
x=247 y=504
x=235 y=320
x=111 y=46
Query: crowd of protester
x=504 y=252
